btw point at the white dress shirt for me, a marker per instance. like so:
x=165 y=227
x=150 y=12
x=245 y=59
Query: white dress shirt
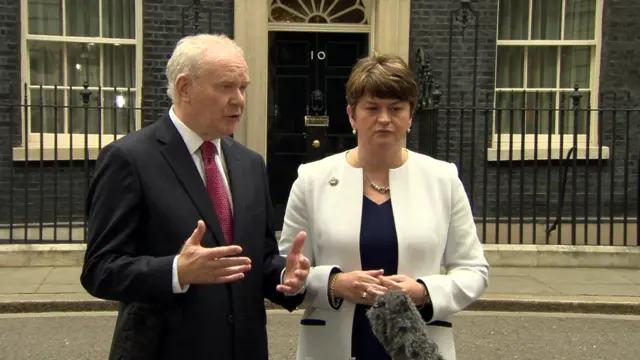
x=193 y=142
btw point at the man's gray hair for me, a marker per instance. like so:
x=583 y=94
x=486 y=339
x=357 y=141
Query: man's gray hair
x=189 y=55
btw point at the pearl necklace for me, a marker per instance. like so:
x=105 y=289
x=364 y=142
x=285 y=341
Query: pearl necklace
x=378 y=188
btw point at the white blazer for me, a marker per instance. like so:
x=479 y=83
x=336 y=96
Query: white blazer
x=434 y=226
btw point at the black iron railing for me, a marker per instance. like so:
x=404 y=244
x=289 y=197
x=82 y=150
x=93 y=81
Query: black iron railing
x=547 y=187
x=46 y=173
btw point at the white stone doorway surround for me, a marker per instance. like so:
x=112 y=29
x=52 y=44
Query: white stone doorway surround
x=387 y=24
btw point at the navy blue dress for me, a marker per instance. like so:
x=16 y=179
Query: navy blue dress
x=378 y=250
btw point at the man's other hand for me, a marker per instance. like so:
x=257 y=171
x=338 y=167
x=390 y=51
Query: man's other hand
x=297 y=268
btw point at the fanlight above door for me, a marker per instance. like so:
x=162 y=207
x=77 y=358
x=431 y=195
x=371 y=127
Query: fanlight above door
x=320 y=11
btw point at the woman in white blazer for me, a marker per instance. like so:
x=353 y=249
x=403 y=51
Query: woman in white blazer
x=378 y=217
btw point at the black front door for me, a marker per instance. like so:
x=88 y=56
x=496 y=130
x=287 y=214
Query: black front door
x=307 y=77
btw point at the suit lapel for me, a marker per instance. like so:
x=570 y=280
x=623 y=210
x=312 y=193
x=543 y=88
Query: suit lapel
x=237 y=175
x=176 y=154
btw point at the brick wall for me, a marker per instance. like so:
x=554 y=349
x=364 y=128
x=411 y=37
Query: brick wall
x=162 y=29
x=620 y=70
x=9 y=92
x=620 y=74
x=430 y=21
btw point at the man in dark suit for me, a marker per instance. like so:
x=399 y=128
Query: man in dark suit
x=185 y=293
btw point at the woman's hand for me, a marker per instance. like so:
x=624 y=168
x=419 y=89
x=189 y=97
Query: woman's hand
x=414 y=289
x=353 y=285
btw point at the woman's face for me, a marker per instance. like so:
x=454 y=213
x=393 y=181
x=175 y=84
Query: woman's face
x=380 y=122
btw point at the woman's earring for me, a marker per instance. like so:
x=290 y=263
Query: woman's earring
x=408 y=130
x=354 y=131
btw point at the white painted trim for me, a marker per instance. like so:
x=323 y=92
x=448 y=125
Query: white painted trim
x=62 y=153
x=515 y=153
x=139 y=16
x=81 y=39
x=392 y=27
x=24 y=67
x=546 y=42
x=498 y=255
x=597 y=58
x=334 y=28
x=94 y=140
x=520 y=90
x=251 y=33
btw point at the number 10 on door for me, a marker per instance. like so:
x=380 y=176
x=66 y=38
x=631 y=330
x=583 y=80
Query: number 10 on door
x=320 y=55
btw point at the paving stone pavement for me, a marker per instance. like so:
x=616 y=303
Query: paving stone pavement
x=35 y=289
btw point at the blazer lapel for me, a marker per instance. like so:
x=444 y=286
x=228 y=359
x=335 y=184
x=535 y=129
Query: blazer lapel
x=342 y=194
x=405 y=216
x=178 y=157
x=413 y=211
x=236 y=175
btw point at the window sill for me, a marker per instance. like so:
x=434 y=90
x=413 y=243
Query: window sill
x=62 y=153
x=515 y=154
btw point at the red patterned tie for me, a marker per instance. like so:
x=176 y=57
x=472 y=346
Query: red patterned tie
x=216 y=189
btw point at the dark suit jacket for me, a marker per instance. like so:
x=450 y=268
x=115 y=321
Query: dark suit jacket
x=144 y=202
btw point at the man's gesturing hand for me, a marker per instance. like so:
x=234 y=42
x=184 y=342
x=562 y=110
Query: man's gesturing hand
x=297 y=268
x=200 y=265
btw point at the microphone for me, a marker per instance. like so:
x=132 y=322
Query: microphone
x=397 y=324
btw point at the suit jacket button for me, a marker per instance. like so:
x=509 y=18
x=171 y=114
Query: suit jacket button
x=230 y=319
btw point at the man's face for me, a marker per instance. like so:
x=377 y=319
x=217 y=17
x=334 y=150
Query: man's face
x=216 y=98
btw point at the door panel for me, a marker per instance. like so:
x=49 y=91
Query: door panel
x=307 y=77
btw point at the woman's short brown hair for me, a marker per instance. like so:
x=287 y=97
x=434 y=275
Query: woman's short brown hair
x=383 y=76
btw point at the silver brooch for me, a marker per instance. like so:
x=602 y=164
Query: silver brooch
x=333 y=181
